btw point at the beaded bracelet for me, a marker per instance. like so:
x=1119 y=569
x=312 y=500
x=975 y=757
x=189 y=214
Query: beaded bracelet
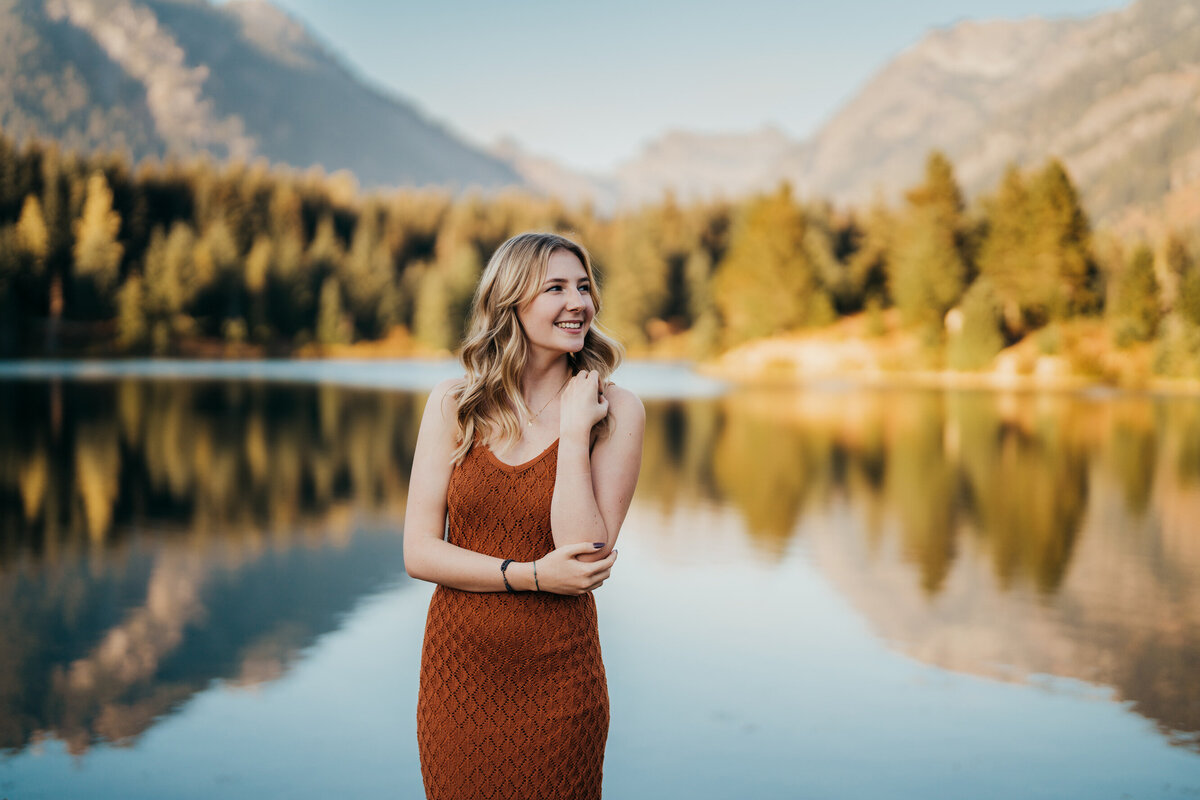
x=503 y=575
x=537 y=587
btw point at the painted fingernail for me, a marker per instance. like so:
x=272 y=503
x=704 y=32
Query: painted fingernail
x=597 y=545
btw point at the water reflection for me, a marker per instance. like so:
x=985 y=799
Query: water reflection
x=1004 y=535
x=156 y=536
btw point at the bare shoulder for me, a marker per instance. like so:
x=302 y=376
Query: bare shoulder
x=444 y=397
x=625 y=407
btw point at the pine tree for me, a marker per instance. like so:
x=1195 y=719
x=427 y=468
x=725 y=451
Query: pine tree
x=1061 y=244
x=97 y=251
x=635 y=278
x=9 y=196
x=331 y=319
x=131 y=316
x=865 y=281
x=10 y=264
x=325 y=251
x=1037 y=249
x=180 y=254
x=258 y=267
x=765 y=284
x=1135 y=304
x=977 y=341
x=927 y=270
x=33 y=238
x=431 y=319
x=368 y=275
x=1184 y=271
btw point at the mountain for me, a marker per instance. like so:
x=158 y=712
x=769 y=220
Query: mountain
x=243 y=80
x=1116 y=96
x=546 y=176
x=699 y=165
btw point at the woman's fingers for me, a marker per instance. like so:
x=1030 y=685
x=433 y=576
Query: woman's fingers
x=578 y=549
x=603 y=564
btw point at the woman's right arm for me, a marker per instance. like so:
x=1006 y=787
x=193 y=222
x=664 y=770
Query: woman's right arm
x=428 y=556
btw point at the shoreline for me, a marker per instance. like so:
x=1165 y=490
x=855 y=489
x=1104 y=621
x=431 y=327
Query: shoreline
x=946 y=380
x=715 y=377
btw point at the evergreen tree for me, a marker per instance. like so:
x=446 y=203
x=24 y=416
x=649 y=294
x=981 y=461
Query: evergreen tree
x=33 y=238
x=431 y=318
x=131 y=315
x=706 y=324
x=927 y=270
x=1189 y=295
x=162 y=294
x=97 y=251
x=1135 y=303
x=180 y=255
x=331 y=318
x=1005 y=254
x=635 y=278
x=1037 y=249
x=976 y=340
x=291 y=303
x=865 y=276
x=368 y=275
x=1061 y=244
x=765 y=284
x=10 y=269
x=1184 y=271
x=258 y=267
x=325 y=251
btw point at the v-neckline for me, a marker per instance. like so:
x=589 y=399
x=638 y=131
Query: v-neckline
x=514 y=467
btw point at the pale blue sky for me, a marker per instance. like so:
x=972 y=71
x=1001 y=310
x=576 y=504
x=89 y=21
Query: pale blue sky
x=589 y=83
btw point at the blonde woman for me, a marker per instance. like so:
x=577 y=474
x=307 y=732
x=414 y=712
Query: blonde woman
x=522 y=475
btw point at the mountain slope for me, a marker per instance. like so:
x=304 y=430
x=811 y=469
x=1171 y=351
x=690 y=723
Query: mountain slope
x=1116 y=96
x=180 y=77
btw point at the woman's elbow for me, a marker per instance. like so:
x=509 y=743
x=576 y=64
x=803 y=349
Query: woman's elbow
x=414 y=565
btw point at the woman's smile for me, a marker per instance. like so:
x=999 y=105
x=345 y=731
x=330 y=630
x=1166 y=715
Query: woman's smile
x=563 y=302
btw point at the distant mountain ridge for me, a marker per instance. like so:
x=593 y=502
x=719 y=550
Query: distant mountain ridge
x=242 y=80
x=1116 y=96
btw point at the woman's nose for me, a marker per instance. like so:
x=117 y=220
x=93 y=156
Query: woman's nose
x=574 y=299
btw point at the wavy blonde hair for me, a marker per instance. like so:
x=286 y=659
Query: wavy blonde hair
x=496 y=349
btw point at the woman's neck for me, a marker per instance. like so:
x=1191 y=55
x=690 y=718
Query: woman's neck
x=543 y=375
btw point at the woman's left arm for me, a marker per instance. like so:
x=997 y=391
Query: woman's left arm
x=594 y=485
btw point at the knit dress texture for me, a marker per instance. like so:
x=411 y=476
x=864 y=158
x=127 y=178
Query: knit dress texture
x=513 y=700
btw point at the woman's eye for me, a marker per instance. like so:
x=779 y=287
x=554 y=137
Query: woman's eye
x=585 y=288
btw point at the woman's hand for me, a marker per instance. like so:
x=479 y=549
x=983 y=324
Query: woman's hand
x=561 y=572
x=583 y=404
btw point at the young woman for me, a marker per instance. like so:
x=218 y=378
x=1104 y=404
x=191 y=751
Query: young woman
x=522 y=476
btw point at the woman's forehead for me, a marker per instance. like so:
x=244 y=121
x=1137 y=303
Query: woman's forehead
x=564 y=265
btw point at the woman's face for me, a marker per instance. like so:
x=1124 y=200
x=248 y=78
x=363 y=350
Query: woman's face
x=558 y=316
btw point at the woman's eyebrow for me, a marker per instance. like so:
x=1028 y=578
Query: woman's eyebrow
x=564 y=280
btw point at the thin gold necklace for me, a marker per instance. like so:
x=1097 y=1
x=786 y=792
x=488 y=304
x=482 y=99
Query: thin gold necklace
x=548 y=402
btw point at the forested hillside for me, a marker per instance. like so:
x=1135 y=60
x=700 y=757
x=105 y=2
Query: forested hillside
x=96 y=258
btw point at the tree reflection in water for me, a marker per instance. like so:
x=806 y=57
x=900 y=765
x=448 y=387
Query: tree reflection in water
x=158 y=535
x=1003 y=535
x=155 y=536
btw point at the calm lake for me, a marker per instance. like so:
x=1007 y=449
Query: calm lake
x=828 y=593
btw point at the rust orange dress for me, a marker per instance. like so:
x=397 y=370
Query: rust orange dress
x=513 y=700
